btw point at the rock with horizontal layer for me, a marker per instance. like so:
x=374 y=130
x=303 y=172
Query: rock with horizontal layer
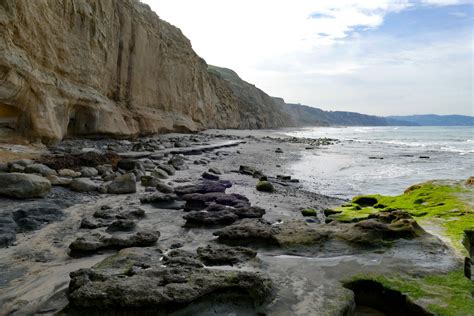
x=23 y=186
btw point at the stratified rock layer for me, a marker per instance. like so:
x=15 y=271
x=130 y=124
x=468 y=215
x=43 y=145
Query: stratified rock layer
x=90 y=67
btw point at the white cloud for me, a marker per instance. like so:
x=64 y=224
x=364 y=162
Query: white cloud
x=446 y=2
x=241 y=33
x=314 y=52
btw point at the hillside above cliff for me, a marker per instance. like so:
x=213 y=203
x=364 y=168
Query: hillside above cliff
x=436 y=120
x=311 y=116
x=256 y=108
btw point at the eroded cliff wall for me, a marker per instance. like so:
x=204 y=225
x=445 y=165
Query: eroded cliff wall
x=100 y=67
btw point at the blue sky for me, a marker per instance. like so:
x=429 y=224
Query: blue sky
x=377 y=57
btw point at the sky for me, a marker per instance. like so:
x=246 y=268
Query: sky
x=387 y=57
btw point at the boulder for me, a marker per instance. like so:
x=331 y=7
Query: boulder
x=178 y=163
x=40 y=169
x=83 y=185
x=89 y=172
x=69 y=173
x=209 y=219
x=159 y=173
x=169 y=169
x=123 y=184
x=130 y=164
x=161 y=200
x=149 y=181
x=215 y=170
x=309 y=212
x=247 y=170
x=59 y=181
x=23 y=186
x=209 y=176
x=164 y=188
x=16 y=168
x=265 y=186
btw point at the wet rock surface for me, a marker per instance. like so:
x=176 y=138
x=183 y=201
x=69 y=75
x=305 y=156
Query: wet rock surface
x=126 y=281
x=95 y=242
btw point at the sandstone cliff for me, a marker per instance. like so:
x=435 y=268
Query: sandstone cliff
x=256 y=108
x=100 y=67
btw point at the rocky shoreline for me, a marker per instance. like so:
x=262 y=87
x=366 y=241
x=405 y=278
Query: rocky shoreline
x=186 y=224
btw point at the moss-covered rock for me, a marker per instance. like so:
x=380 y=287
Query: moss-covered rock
x=265 y=186
x=440 y=203
x=365 y=200
x=309 y=212
x=443 y=294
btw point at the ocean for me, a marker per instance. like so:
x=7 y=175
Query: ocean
x=383 y=160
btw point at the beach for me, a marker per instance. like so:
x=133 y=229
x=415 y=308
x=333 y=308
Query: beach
x=306 y=259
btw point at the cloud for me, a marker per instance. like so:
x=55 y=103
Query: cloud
x=333 y=54
x=445 y=2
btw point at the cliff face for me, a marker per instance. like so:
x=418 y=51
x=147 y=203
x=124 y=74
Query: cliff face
x=256 y=108
x=100 y=67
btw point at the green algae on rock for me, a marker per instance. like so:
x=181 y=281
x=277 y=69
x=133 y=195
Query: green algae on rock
x=447 y=294
x=265 y=186
x=309 y=212
x=440 y=203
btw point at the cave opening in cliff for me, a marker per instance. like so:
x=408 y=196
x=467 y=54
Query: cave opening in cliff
x=82 y=121
x=9 y=120
x=373 y=299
